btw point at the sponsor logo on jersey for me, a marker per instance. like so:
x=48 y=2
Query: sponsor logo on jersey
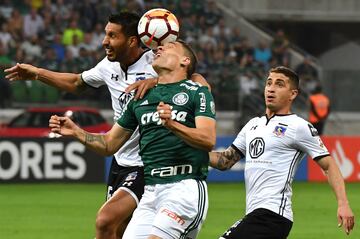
x=189 y=87
x=313 y=131
x=279 y=130
x=153 y=117
x=256 y=147
x=114 y=77
x=124 y=98
x=173 y=215
x=202 y=102
x=172 y=170
x=180 y=98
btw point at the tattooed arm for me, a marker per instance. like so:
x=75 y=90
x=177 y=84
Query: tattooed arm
x=104 y=144
x=224 y=160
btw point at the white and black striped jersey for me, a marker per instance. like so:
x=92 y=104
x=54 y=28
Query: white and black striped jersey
x=111 y=74
x=273 y=149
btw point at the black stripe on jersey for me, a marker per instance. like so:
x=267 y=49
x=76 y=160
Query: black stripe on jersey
x=201 y=208
x=283 y=124
x=297 y=156
x=238 y=151
x=320 y=157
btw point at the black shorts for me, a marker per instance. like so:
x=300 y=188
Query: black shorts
x=260 y=224
x=130 y=179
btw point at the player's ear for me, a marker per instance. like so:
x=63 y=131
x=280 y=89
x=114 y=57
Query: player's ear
x=133 y=41
x=294 y=93
x=185 y=61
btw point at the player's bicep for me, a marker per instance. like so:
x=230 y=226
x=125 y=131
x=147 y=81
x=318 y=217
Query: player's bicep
x=206 y=123
x=80 y=84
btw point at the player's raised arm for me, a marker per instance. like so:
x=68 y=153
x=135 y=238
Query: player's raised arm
x=203 y=136
x=225 y=159
x=344 y=213
x=69 y=82
x=104 y=144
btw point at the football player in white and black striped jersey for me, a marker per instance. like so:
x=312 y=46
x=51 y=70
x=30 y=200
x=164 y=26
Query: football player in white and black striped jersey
x=272 y=146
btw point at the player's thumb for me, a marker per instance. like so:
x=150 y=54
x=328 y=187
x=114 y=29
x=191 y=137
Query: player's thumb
x=340 y=221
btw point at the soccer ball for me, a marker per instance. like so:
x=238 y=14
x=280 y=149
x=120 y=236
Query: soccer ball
x=157 y=27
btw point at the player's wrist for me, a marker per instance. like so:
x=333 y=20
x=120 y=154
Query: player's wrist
x=36 y=73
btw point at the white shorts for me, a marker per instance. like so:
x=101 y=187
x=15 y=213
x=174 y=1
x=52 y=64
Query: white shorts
x=170 y=211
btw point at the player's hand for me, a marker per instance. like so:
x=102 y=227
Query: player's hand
x=62 y=125
x=164 y=113
x=346 y=218
x=141 y=87
x=22 y=72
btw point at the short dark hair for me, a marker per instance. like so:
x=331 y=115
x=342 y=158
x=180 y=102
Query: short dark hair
x=128 y=21
x=293 y=77
x=189 y=52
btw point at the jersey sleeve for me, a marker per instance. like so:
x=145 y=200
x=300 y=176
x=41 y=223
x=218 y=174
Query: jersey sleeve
x=308 y=140
x=94 y=76
x=239 y=143
x=127 y=118
x=204 y=103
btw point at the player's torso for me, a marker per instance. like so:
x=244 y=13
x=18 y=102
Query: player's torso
x=117 y=80
x=166 y=157
x=271 y=162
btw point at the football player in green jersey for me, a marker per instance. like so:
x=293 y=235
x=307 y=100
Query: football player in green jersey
x=176 y=120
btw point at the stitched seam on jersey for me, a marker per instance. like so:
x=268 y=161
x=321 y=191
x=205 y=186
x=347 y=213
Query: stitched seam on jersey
x=287 y=179
x=201 y=207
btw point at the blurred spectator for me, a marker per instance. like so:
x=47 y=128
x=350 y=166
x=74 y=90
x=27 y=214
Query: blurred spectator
x=87 y=9
x=212 y=13
x=6 y=9
x=33 y=23
x=70 y=32
x=262 y=54
x=279 y=46
x=309 y=76
x=16 y=23
x=74 y=48
x=5 y=62
x=319 y=109
x=5 y=38
x=49 y=61
x=58 y=47
x=87 y=43
x=32 y=49
x=98 y=36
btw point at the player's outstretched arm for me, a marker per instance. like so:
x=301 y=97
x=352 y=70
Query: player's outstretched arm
x=225 y=159
x=105 y=144
x=69 y=82
x=344 y=213
x=202 y=137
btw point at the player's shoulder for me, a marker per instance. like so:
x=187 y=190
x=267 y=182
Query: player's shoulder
x=147 y=57
x=302 y=126
x=192 y=85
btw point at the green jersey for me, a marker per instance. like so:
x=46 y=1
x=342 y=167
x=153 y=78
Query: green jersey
x=167 y=158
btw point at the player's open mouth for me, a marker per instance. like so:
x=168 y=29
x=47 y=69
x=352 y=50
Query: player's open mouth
x=108 y=51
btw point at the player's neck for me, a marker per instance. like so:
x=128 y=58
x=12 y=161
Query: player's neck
x=270 y=113
x=134 y=55
x=168 y=77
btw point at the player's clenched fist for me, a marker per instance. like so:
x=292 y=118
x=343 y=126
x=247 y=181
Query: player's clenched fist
x=63 y=125
x=164 y=111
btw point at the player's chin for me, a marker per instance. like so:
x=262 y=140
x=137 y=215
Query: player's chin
x=111 y=57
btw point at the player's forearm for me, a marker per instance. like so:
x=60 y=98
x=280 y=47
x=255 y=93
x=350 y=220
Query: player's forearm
x=69 y=82
x=224 y=160
x=95 y=142
x=197 y=137
x=336 y=181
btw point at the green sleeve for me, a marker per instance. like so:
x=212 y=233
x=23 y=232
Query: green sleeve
x=204 y=103
x=127 y=119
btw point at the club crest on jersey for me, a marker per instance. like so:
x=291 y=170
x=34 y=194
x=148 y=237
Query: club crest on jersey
x=279 y=130
x=131 y=176
x=140 y=78
x=180 y=98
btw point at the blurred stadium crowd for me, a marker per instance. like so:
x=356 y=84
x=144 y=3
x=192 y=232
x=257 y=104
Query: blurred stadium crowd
x=66 y=35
